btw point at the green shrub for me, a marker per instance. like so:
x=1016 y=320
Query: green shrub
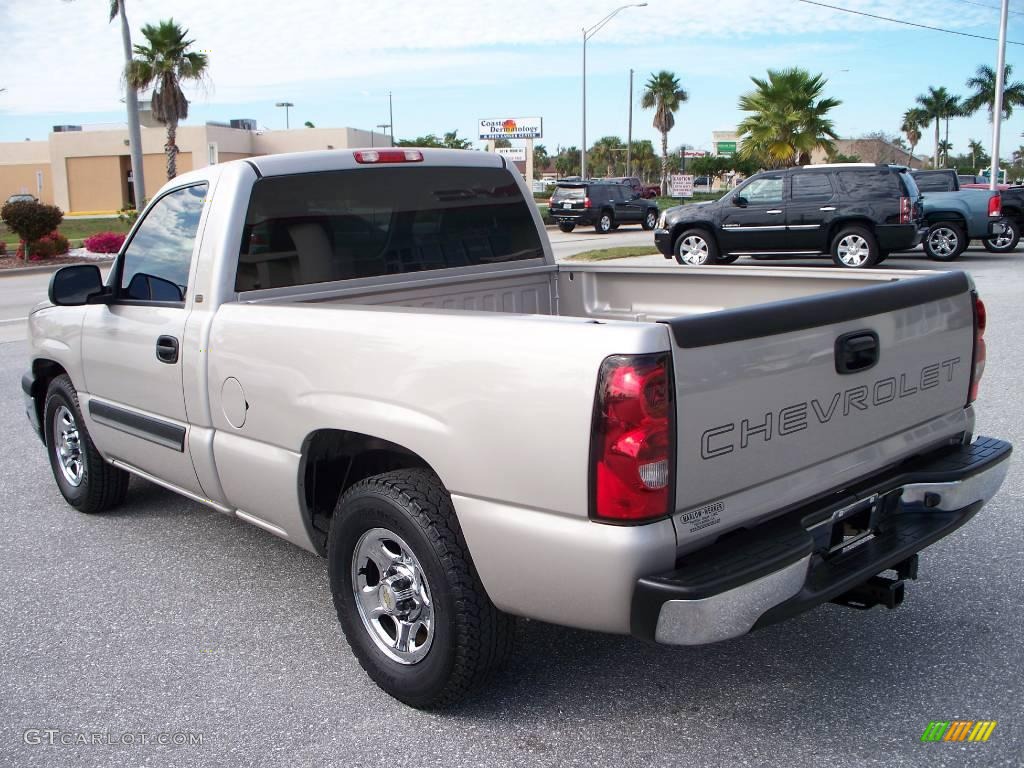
x=31 y=221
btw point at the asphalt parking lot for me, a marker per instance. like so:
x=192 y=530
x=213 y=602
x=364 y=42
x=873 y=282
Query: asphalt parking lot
x=165 y=616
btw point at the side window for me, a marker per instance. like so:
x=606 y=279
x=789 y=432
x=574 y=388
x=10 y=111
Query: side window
x=155 y=265
x=811 y=186
x=764 y=191
x=868 y=185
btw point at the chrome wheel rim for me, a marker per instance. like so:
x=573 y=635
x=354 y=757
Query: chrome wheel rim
x=943 y=241
x=1001 y=241
x=853 y=250
x=693 y=250
x=67 y=446
x=606 y=223
x=652 y=221
x=392 y=596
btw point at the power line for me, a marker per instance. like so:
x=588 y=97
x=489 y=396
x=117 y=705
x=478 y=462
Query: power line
x=907 y=23
x=990 y=7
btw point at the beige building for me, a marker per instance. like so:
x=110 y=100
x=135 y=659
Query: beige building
x=88 y=169
x=870 y=151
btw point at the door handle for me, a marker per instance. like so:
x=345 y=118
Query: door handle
x=828 y=208
x=167 y=349
x=774 y=210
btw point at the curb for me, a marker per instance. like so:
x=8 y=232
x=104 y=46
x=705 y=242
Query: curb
x=14 y=272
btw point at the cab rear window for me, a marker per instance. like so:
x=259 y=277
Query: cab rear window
x=311 y=228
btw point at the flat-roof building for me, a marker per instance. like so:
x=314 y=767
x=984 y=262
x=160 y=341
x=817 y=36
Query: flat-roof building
x=87 y=169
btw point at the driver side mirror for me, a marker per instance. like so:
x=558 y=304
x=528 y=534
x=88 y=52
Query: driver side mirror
x=77 y=285
x=739 y=201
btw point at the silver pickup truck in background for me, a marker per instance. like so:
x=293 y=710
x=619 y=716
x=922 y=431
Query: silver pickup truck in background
x=374 y=355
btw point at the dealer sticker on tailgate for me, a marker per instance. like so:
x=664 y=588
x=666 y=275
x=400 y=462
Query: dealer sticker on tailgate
x=702 y=517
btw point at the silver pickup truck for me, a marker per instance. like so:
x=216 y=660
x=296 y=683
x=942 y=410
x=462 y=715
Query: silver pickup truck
x=374 y=355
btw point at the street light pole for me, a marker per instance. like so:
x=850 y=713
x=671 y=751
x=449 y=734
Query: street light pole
x=287 y=106
x=391 y=119
x=997 y=107
x=587 y=34
x=629 y=131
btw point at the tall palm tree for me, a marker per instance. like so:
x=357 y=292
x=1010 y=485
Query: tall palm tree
x=984 y=84
x=163 y=64
x=788 y=118
x=914 y=119
x=664 y=95
x=940 y=105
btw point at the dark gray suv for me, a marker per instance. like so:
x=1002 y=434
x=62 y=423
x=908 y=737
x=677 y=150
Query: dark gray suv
x=603 y=204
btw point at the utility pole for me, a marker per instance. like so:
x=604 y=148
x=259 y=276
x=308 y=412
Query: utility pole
x=629 y=131
x=131 y=101
x=391 y=119
x=997 y=108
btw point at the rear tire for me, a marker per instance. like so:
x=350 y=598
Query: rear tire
x=855 y=248
x=650 y=220
x=85 y=480
x=945 y=241
x=695 y=248
x=455 y=636
x=567 y=227
x=1005 y=243
x=604 y=223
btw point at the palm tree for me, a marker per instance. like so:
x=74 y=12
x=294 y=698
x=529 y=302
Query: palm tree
x=984 y=85
x=605 y=152
x=788 y=118
x=163 y=64
x=944 y=148
x=939 y=104
x=567 y=162
x=540 y=158
x=664 y=95
x=977 y=150
x=645 y=160
x=914 y=119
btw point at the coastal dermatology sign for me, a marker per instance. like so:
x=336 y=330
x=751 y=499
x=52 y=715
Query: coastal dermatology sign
x=515 y=154
x=511 y=128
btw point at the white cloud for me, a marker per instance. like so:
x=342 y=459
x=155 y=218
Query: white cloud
x=64 y=57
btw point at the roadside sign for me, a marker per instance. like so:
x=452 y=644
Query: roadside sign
x=511 y=128
x=680 y=185
x=514 y=154
x=694 y=153
x=725 y=147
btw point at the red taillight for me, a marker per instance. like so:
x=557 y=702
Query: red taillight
x=586 y=202
x=632 y=445
x=388 y=156
x=905 y=210
x=995 y=205
x=978 y=364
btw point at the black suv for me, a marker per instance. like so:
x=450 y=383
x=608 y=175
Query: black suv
x=604 y=204
x=857 y=212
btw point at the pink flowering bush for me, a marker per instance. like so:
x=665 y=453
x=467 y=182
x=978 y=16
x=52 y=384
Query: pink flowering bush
x=105 y=242
x=46 y=247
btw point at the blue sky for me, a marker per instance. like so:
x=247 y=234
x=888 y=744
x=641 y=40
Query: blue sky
x=450 y=62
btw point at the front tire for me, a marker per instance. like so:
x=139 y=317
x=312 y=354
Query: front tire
x=604 y=223
x=855 y=248
x=567 y=227
x=85 y=480
x=945 y=241
x=1006 y=242
x=407 y=594
x=695 y=248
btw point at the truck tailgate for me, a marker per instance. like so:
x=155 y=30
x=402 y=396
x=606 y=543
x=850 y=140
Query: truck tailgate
x=778 y=403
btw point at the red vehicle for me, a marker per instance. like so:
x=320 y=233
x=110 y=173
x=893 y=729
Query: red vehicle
x=647 y=191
